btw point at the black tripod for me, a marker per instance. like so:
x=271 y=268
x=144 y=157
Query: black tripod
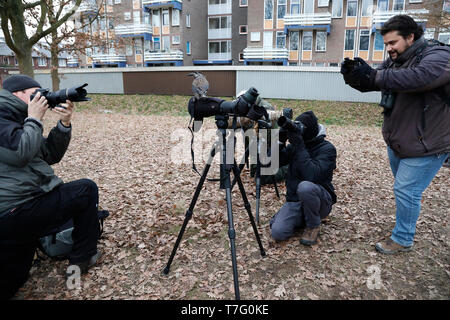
x=225 y=183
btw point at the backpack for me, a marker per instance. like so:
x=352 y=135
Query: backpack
x=57 y=244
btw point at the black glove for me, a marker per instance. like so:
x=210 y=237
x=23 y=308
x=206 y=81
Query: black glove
x=296 y=139
x=347 y=65
x=282 y=135
x=364 y=74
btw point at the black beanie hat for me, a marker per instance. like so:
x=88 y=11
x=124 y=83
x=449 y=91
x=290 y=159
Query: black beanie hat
x=309 y=119
x=19 y=82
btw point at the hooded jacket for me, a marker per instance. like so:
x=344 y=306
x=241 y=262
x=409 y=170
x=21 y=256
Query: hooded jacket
x=314 y=162
x=419 y=122
x=25 y=155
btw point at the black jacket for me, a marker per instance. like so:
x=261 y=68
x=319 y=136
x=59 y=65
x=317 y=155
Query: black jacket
x=313 y=162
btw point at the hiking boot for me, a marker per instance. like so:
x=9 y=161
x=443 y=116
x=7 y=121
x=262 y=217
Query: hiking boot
x=388 y=246
x=310 y=236
x=86 y=265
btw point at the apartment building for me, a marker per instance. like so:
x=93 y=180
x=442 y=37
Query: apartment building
x=241 y=32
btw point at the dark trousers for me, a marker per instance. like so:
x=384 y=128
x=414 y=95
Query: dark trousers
x=20 y=229
x=314 y=204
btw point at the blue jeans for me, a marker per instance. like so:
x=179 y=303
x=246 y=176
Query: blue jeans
x=412 y=177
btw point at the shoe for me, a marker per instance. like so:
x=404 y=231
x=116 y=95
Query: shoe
x=310 y=236
x=86 y=265
x=388 y=246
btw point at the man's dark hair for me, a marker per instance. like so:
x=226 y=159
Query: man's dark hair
x=404 y=25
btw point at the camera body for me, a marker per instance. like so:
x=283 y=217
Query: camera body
x=74 y=94
x=289 y=125
x=243 y=106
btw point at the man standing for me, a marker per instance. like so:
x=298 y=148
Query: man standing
x=33 y=200
x=310 y=193
x=415 y=86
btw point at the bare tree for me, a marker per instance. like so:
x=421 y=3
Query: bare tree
x=13 y=15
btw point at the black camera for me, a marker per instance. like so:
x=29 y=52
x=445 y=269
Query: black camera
x=243 y=106
x=74 y=94
x=289 y=125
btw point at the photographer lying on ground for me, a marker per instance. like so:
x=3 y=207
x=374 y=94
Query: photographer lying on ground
x=32 y=199
x=310 y=194
x=415 y=87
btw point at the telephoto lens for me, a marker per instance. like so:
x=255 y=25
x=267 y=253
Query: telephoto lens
x=74 y=94
x=288 y=124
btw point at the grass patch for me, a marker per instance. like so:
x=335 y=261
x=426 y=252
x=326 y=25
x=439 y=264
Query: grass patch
x=329 y=112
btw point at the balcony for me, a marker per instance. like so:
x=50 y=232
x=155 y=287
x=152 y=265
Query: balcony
x=223 y=56
x=72 y=62
x=134 y=31
x=88 y=7
x=112 y=60
x=380 y=17
x=313 y=21
x=173 y=56
x=162 y=4
x=224 y=33
x=262 y=54
x=223 y=8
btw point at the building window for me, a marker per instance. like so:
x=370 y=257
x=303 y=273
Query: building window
x=364 y=39
x=156 y=44
x=399 y=5
x=241 y=56
x=415 y=1
x=220 y=47
x=281 y=9
x=176 y=39
x=321 y=41
x=127 y=16
x=308 y=6
x=379 y=43
x=136 y=17
x=188 y=20
x=322 y=3
x=367 y=8
x=281 y=40
x=166 y=43
x=188 y=47
x=307 y=40
x=352 y=6
x=117 y=1
x=42 y=62
x=243 y=3
x=293 y=40
x=62 y=62
x=255 y=36
x=129 y=50
x=165 y=16
x=334 y=64
x=320 y=64
x=243 y=29
x=156 y=19
x=383 y=5
x=349 y=40
x=175 y=17
x=444 y=38
x=295 y=6
x=268 y=9
x=336 y=8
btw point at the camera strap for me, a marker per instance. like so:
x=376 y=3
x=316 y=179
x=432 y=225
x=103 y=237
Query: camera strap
x=191 y=129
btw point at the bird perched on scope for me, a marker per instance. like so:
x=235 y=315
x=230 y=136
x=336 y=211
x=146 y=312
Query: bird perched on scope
x=200 y=85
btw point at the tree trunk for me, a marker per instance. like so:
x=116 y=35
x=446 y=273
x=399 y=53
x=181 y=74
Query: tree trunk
x=26 y=63
x=54 y=61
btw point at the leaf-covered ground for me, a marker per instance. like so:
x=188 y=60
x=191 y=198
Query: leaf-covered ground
x=130 y=157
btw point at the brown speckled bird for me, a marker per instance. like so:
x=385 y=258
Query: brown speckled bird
x=200 y=85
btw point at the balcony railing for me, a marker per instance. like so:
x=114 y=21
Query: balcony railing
x=224 y=33
x=262 y=53
x=134 y=30
x=87 y=7
x=72 y=62
x=219 y=56
x=163 y=55
x=109 y=59
x=223 y=8
x=307 y=19
x=158 y=4
x=380 y=17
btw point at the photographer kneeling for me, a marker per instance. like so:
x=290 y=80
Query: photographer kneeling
x=310 y=194
x=33 y=200
x=415 y=85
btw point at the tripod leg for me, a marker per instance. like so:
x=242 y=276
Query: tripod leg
x=258 y=188
x=190 y=211
x=232 y=236
x=248 y=209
